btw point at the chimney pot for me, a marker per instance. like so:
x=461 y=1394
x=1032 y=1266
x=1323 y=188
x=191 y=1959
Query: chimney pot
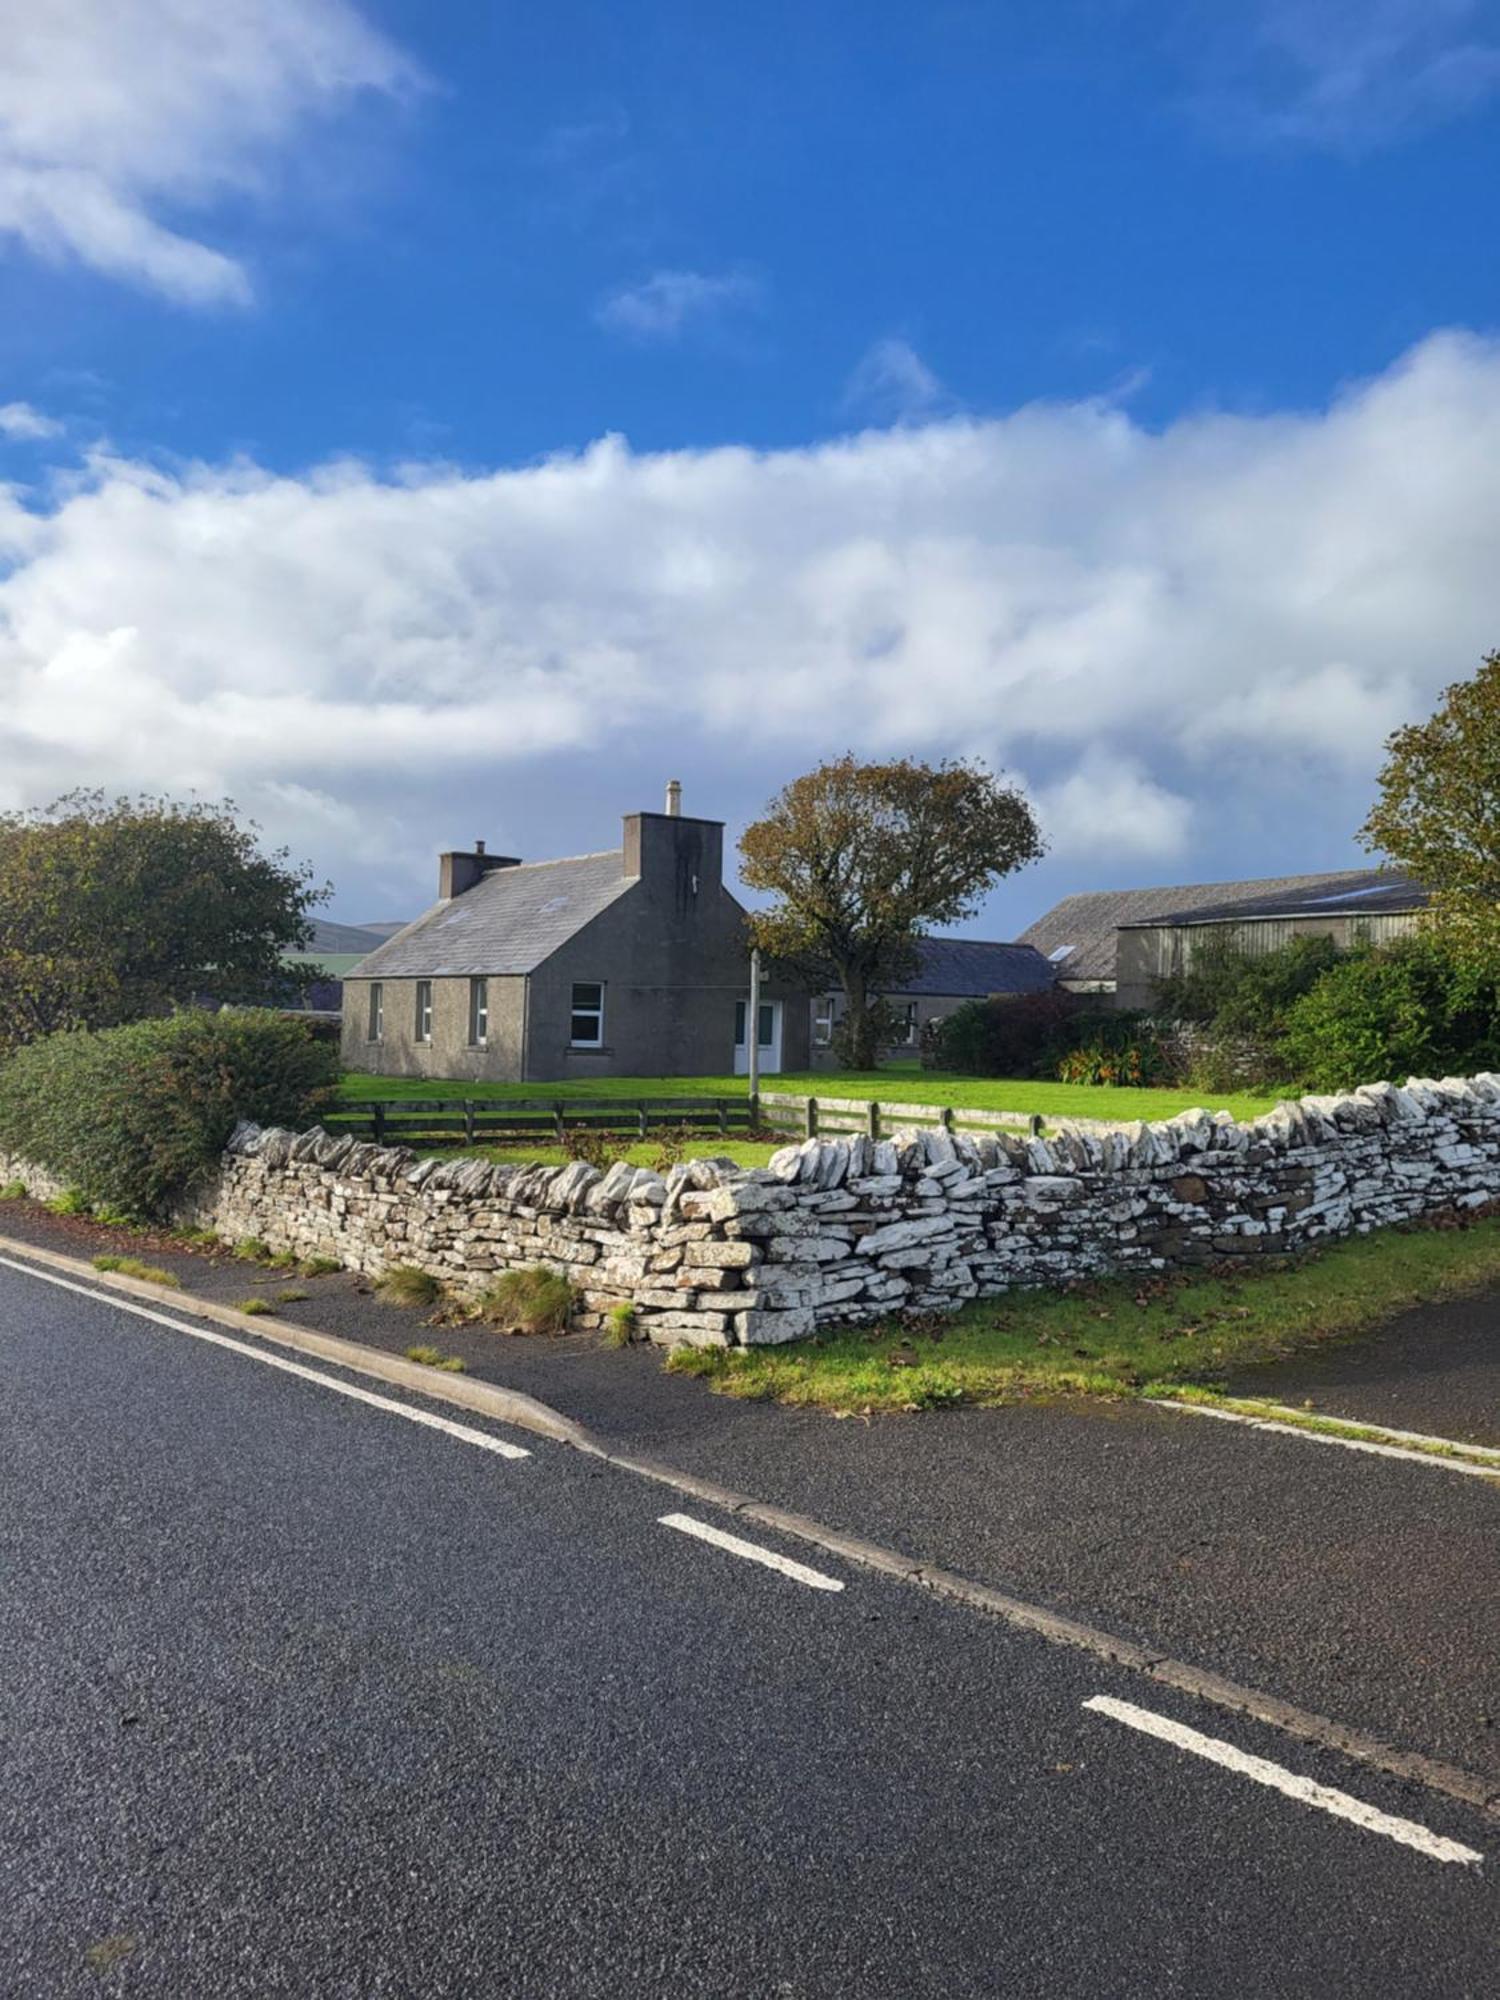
x=479 y=847
x=674 y=798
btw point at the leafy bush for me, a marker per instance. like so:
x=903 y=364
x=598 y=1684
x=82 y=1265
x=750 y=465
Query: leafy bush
x=134 y=1116
x=1103 y=1061
x=1241 y=993
x=531 y=1300
x=1403 y=1010
x=1024 y=1036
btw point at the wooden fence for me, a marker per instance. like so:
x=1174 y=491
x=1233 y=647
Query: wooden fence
x=478 y=1121
x=813 y=1117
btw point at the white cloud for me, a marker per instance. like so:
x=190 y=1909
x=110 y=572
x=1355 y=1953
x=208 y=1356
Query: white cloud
x=1354 y=73
x=662 y=306
x=1169 y=632
x=25 y=424
x=116 y=112
x=893 y=384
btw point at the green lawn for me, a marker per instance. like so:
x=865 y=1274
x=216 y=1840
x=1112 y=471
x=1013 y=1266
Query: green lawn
x=1120 y=1338
x=898 y=1086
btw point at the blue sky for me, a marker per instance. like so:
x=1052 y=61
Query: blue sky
x=431 y=421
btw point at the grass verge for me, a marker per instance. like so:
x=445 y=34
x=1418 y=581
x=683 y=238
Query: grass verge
x=1115 y=1338
x=134 y=1267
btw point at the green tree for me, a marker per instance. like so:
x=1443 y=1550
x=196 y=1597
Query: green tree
x=864 y=859
x=1407 y=1009
x=1438 y=813
x=111 y=910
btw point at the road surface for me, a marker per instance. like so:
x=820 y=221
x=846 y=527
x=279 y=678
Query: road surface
x=304 y=1697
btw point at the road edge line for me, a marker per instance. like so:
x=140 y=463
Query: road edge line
x=528 y=1413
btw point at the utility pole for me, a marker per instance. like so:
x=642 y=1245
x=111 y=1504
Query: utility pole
x=752 y=1037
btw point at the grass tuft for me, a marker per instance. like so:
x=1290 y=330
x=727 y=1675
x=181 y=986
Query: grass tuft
x=253 y=1306
x=1122 y=1337
x=71 y=1201
x=252 y=1250
x=318 y=1267
x=132 y=1267
x=621 y=1325
x=292 y=1297
x=14 y=1191
x=409 y=1285
x=434 y=1357
x=534 y=1299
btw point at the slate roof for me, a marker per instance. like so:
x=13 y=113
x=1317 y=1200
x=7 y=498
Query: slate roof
x=510 y=920
x=974 y=967
x=1085 y=925
x=1372 y=892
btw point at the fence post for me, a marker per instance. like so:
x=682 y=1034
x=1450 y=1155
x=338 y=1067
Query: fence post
x=468 y=1121
x=557 y=1119
x=643 y=1120
x=377 y=1122
x=945 y=1117
x=1035 y=1125
x=810 y=1117
x=874 y=1118
x=723 y=1117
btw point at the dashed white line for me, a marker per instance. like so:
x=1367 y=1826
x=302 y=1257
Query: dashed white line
x=751 y=1551
x=1309 y=1793
x=1489 y=1468
x=466 y=1434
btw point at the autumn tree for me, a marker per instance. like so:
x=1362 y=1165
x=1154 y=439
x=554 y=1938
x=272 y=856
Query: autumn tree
x=111 y=910
x=864 y=859
x=1438 y=814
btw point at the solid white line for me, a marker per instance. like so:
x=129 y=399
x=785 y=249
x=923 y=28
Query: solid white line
x=751 y=1551
x=501 y=1446
x=1430 y=1458
x=1309 y=1793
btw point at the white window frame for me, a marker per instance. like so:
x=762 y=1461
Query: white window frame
x=594 y=1011
x=825 y=1014
x=424 y=1010
x=479 y=1013
x=913 y=1033
x=375 y=1022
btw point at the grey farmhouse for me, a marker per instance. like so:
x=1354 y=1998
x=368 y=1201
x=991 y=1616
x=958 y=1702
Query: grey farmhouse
x=634 y=962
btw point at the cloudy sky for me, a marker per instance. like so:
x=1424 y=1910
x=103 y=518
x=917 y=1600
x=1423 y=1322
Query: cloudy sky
x=422 y=422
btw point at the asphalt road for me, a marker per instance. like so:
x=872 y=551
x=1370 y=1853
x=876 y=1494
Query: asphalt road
x=302 y=1698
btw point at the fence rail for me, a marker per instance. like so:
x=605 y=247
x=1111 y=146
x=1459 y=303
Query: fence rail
x=812 y=1117
x=488 y=1120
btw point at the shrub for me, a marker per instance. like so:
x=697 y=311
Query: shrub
x=407 y=1285
x=1403 y=1010
x=595 y=1149
x=135 y=1116
x=1024 y=1036
x=532 y=1300
x=1127 y=1063
x=1241 y=993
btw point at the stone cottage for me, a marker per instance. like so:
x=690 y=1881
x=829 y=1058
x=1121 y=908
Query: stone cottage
x=634 y=962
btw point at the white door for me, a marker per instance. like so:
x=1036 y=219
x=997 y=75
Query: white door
x=770 y=1038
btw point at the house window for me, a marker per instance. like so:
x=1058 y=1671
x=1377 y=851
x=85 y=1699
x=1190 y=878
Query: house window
x=479 y=1013
x=586 y=1030
x=767 y=1022
x=909 y=1024
x=375 y=1028
x=823 y=1013
x=424 y=1010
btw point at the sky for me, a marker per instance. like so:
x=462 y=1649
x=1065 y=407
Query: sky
x=429 y=422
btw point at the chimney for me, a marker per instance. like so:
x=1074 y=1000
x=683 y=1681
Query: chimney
x=679 y=861
x=458 y=872
x=674 y=799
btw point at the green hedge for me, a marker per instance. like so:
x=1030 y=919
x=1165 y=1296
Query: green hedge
x=1406 y=1009
x=132 y=1117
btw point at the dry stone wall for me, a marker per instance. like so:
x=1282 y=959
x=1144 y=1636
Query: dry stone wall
x=849 y=1229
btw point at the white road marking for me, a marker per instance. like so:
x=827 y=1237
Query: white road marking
x=464 y=1432
x=1488 y=1469
x=1434 y=1845
x=751 y=1551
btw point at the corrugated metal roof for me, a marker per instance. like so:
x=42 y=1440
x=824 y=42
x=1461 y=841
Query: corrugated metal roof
x=328 y=936
x=1086 y=924
x=974 y=967
x=510 y=921
x=1376 y=892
